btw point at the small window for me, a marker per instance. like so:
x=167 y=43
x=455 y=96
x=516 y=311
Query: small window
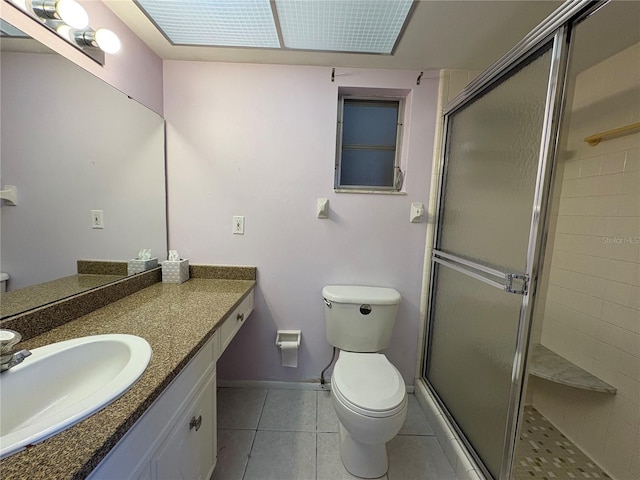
x=368 y=150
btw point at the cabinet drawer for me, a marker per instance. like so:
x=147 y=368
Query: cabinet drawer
x=234 y=321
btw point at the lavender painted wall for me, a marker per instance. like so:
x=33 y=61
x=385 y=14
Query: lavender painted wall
x=136 y=70
x=259 y=141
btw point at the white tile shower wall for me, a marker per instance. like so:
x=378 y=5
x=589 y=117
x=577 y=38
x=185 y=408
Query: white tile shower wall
x=259 y=141
x=592 y=309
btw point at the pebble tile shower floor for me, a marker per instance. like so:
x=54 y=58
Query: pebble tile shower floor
x=279 y=434
x=545 y=453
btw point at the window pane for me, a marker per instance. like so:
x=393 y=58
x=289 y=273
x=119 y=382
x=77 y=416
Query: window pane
x=367 y=167
x=369 y=123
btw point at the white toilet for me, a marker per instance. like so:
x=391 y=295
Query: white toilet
x=367 y=391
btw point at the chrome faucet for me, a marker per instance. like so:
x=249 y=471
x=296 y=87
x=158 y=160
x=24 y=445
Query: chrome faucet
x=9 y=357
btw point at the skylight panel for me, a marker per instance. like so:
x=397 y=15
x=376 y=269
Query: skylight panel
x=232 y=23
x=359 y=26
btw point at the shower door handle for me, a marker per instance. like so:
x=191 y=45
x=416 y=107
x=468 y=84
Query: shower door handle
x=507 y=281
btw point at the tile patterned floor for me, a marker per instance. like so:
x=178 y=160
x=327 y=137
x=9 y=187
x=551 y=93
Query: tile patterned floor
x=545 y=453
x=292 y=435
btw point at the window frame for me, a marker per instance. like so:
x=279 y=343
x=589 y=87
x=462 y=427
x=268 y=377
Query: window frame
x=398 y=174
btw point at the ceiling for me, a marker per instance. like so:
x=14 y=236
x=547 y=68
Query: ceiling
x=453 y=34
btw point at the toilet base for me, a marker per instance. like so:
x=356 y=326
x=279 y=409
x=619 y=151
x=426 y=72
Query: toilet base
x=362 y=460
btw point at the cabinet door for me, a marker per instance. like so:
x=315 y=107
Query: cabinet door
x=189 y=451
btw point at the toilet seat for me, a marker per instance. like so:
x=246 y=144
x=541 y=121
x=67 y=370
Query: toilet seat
x=368 y=384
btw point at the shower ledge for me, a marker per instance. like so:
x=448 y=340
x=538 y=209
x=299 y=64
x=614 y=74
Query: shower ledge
x=551 y=366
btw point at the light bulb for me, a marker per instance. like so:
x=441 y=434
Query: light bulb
x=66 y=32
x=72 y=13
x=21 y=4
x=107 y=41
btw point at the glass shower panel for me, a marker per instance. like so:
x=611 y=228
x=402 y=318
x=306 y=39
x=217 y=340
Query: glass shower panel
x=472 y=350
x=493 y=146
x=486 y=208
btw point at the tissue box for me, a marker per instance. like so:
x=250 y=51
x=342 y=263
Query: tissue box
x=175 y=271
x=138 y=266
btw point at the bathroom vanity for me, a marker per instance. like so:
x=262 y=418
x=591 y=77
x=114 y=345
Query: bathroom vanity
x=165 y=425
x=176 y=437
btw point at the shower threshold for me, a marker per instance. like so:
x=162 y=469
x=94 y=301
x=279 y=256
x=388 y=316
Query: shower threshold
x=545 y=453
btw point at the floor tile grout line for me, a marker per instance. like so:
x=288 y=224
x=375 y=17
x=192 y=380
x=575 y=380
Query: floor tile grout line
x=255 y=434
x=264 y=402
x=246 y=467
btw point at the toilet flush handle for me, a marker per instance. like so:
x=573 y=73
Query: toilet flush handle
x=327 y=302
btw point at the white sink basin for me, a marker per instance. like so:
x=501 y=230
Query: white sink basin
x=63 y=383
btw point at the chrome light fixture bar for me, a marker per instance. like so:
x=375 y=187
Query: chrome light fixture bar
x=69 y=20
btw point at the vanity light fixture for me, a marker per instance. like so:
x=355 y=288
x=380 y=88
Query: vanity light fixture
x=67 y=11
x=104 y=39
x=70 y=21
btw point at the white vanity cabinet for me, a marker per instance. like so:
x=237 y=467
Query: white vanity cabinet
x=188 y=452
x=176 y=437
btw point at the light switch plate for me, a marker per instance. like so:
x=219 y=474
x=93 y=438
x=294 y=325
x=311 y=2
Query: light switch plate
x=97 y=219
x=238 y=225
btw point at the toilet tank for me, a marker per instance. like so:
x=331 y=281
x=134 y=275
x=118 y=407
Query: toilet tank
x=359 y=319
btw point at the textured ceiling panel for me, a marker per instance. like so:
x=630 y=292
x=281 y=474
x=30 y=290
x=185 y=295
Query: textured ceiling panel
x=363 y=26
x=236 y=23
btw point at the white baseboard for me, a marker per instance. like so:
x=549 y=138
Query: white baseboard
x=460 y=460
x=266 y=384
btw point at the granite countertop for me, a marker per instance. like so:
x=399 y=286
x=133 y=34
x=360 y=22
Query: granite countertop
x=176 y=320
x=36 y=295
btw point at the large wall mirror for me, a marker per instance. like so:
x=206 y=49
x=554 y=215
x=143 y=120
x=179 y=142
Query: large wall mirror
x=72 y=144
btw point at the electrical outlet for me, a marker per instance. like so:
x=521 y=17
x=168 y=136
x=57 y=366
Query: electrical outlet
x=238 y=225
x=97 y=220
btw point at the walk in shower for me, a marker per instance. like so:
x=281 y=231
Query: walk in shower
x=536 y=251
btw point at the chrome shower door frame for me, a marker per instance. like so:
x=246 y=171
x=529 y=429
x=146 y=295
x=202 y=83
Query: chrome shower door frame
x=555 y=29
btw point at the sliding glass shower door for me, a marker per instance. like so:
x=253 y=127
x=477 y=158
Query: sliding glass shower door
x=493 y=179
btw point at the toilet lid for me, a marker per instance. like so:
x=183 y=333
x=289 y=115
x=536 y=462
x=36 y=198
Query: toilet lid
x=369 y=382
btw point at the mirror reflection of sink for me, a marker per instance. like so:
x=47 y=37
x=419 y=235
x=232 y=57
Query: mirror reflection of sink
x=63 y=383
